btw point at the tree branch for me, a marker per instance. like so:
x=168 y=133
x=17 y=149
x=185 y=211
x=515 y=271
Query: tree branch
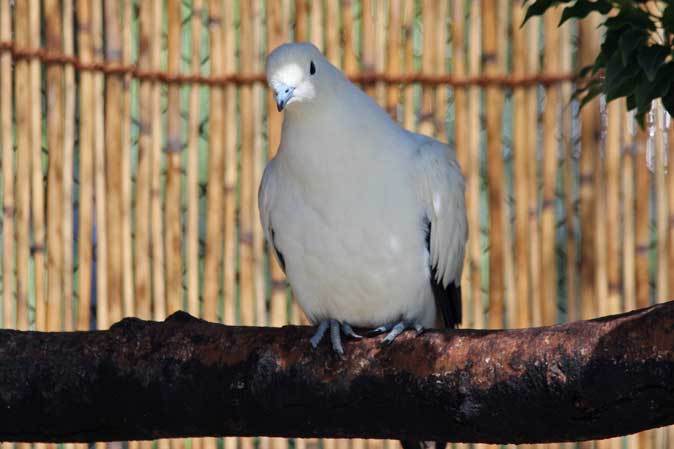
x=187 y=377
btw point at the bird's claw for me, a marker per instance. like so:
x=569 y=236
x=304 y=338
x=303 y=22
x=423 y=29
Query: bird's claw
x=336 y=329
x=394 y=329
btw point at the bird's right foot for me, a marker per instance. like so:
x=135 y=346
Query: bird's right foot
x=336 y=329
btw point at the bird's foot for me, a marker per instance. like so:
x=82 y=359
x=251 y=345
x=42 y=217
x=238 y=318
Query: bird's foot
x=394 y=329
x=337 y=328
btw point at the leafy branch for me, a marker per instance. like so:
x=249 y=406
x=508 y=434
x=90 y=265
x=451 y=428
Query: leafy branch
x=636 y=60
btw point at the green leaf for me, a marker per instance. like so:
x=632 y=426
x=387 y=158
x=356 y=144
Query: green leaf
x=647 y=91
x=631 y=102
x=620 y=79
x=630 y=16
x=585 y=71
x=592 y=92
x=582 y=8
x=629 y=41
x=651 y=58
x=538 y=7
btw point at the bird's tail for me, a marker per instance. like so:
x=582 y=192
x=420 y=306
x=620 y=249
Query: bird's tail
x=411 y=444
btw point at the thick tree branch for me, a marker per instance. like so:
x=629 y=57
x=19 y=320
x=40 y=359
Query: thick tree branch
x=187 y=377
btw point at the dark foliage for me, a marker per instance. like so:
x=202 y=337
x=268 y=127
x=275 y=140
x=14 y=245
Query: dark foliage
x=636 y=57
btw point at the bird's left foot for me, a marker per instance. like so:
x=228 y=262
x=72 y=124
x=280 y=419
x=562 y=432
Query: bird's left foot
x=336 y=329
x=394 y=329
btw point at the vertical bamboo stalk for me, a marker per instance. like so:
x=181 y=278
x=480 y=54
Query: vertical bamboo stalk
x=86 y=166
x=393 y=62
x=173 y=149
x=316 y=24
x=332 y=24
x=670 y=198
x=113 y=160
x=350 y=62
x=629 y=247
x=589 y=116
x=520 y=316
x=102 y=304
x=8 y=178
x=259 y=158
x=213 y=256
x=142 y=241
x=491 y=63
x=440 y=68
x=612 y=164
x=247 y=190
x=409 y=114
x=533 y=27
x=367 y=41
x=37 y=185
x=473 y=170
x=192 y=237
x=569 y=176
x=662 y=212
x=156 y=228
x=548 y=292
x=276 y=35
x=230 y=184
x=380 y=37
x=126 y=211
x=68 y=145
x=55 y=128
x=430 y=48
x=301 y=21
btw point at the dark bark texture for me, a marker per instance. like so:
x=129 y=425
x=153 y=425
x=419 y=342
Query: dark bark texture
x=187 y=377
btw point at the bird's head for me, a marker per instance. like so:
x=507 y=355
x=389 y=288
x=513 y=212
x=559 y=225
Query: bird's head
x=295 y=71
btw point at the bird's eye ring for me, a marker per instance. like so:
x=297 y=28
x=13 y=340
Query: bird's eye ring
x=312 y=68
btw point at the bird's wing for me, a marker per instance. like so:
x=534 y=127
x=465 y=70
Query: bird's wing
x=265 y=201
x=440 y=187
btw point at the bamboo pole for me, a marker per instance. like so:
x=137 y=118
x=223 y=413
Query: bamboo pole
x=259 y=159
x=548 y=292
x=520 y=317
x=629 y=247
x=37 y=185
x=55 y=200
x=277 y=34
x=332 y=32
x=9 y=250
x=440 y=68
x=566 y=66
x=192 y=183
x=393 y=61
x=126 y=211
x=473 y=173
x=68 y=145
x=612 y=216
x=173 y=150
x=589 y=137
x=662 y=210
x=100 y=200
x=231 y=177
x=350 y=62
x=409 y=113
x=301 y=21
x=428 y=58
x=533 y=27
x=213 y=256
x=491 y=63
x=113 y=161
x=368 y=41
x=316 y=24
x=86 y=167
x=247 y=186
x=156 y=227
x=380 y=15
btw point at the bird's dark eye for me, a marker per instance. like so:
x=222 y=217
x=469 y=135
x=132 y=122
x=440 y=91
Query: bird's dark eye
x=312 y=68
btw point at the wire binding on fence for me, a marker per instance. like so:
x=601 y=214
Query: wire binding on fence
x=51 y=57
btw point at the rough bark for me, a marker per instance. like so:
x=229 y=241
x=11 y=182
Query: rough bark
x=188 y=377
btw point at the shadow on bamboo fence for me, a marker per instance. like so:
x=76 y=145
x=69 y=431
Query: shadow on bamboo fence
x=134 y=135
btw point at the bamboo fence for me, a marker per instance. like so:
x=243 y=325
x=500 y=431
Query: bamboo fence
x=133 y=137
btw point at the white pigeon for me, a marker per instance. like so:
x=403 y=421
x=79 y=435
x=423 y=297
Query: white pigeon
x=368 y=220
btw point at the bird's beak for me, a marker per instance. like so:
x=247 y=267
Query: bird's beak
x=283 y=93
